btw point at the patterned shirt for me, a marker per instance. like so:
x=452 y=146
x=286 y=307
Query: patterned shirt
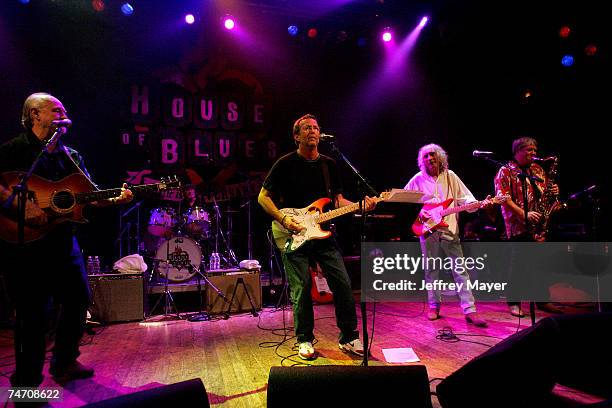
x=508 y=183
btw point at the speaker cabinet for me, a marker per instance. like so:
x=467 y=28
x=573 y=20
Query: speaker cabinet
x=241 y=283
x=190 y=393
x=522 y=370
x=117 y=297
x=354 y=386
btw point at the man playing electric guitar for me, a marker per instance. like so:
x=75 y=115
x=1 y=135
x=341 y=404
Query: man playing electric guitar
x=296 y=180
x=438 y=183
x=51 y=266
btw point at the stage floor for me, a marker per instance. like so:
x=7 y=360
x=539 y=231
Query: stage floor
x=233 y=357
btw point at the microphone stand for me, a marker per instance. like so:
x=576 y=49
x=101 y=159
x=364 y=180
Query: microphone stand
x=20 y=191
x=363 y=188
x=523 y=177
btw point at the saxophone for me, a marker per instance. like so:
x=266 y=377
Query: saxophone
x=549 y=202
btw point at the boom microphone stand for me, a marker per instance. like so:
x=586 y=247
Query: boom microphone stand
x=363 y=189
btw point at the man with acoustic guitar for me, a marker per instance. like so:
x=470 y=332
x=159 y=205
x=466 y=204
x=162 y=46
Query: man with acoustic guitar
x=440 y=184
x=52 y=264
x=296 y=180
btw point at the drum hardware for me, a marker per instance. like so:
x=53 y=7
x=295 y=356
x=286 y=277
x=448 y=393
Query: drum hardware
x=201 y=315
x=232 y=261
x=167 y=294
x=126 y=230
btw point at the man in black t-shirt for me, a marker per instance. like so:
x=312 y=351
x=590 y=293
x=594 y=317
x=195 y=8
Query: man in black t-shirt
x=295 y=181
x=52 y=266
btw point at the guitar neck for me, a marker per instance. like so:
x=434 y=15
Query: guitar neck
x=465 y=207
x=347 y=209
x=91 y=196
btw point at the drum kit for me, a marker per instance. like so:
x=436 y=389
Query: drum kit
x=180 y=242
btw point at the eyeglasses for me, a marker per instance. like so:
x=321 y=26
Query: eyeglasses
x=311 y=127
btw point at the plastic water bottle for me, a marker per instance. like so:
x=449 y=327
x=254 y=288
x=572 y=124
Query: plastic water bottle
x=96 y=264
x=90 y=267
x=215 y=260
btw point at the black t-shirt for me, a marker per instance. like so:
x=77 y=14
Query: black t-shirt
x=19 y=153
x=296 y=182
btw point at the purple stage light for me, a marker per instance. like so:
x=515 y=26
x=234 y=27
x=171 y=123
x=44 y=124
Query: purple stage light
x=386 y=35
x=229 y=23
x=423 y=21
x=189 y=18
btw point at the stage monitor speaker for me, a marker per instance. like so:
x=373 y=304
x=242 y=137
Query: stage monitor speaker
x=117 y=297
x=354 y=386
x=190 y=393
x=226 y=284
x=522 y=370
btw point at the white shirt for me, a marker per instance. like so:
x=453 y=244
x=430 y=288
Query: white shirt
x=436 y=189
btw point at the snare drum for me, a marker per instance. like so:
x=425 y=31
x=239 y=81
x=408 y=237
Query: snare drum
x=197 y=221
x=178 y=258
x=161 y=222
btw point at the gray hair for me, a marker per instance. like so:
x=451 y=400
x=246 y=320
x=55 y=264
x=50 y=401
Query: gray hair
x=440 y=153
x=521 y=142
x=35 y=101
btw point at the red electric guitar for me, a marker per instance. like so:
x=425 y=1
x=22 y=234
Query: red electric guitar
x=320 y=291
x=432 y=215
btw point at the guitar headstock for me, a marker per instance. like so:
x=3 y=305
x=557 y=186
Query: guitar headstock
x=169 y=182
x=501 y=198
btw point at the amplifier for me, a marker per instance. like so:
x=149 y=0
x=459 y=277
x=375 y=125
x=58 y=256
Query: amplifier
x=241 y=282
x=117 y=297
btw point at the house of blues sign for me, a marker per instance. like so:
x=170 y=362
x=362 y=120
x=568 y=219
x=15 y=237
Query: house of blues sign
x=200 y=134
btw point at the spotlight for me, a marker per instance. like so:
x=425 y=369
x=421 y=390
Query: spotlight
x=567 y=60
x=590 y=50
x=229 y=23
x=189 y=18
x=564 y=32
x=24 y=1
x=292 y=30
x=386 y=35
x=423 y=22
x=312 y=33
x=98 y=5
x=127 y=9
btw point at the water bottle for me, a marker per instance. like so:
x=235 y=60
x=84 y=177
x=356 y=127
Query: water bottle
x=96 y=264
x=212 y=262
x=216 y=260
x=90 y=268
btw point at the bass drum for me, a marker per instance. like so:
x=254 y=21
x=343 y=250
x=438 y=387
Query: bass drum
x=178 y=259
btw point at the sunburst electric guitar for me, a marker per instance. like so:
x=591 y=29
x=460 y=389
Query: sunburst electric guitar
x=311 y=217
x=432 y=215
x=62 y=201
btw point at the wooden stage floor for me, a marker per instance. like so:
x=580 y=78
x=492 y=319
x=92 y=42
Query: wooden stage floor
x=233 y=357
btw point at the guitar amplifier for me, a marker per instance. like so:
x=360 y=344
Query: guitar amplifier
x=117 y=297
x=241 y=282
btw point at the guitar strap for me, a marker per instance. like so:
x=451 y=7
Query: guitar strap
x=84 y=173
x=325 y=170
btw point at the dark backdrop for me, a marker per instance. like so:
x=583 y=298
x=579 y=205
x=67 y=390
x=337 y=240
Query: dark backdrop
x=462 y=86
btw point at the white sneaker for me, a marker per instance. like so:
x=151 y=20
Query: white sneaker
x=354 y=347
x=306 y=351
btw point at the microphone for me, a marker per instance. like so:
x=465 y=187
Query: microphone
x=326 y=138
x=62 y=123
x=585 y=191
x=479 y=153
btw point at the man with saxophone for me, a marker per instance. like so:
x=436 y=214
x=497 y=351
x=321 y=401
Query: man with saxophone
x=507 y=182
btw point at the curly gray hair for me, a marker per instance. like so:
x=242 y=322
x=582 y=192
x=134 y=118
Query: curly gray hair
x=440 y=154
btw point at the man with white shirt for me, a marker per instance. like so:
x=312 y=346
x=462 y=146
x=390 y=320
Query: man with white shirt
x=438 y=183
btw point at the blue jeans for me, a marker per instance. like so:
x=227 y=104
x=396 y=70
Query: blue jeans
x=327 y=254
